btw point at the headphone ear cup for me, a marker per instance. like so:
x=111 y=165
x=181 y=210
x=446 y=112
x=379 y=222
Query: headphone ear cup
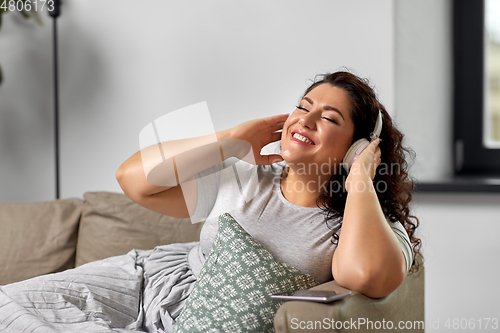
x=353 y=152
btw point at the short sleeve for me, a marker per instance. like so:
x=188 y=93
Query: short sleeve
x=208 y=183
x=404 y=241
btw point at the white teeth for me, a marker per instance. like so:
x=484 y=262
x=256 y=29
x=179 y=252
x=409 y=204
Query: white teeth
x=302 y=138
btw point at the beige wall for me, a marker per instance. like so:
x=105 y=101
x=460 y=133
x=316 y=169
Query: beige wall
x=122 y=65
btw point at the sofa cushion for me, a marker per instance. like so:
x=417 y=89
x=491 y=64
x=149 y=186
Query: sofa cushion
x=112 y=224
x=232 y=291
x=37 y=238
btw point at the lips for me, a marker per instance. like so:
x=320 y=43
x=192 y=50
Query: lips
x=301 y=137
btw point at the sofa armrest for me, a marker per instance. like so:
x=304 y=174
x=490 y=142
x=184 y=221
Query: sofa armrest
x=358 y=313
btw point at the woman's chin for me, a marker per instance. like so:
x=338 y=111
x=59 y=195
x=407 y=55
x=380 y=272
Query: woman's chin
x=287 y=156
x=293 y=158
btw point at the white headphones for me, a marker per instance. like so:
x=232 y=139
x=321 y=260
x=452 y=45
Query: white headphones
x=357 y=147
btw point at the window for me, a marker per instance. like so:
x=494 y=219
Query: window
x=476 y=87
x=492 y=48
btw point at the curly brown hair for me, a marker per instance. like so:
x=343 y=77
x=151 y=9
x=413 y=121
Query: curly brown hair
x=392 y=182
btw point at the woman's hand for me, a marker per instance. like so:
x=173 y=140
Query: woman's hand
x=254 y=135
x=364 y=167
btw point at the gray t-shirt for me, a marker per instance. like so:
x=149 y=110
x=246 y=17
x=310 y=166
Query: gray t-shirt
x=296 y=235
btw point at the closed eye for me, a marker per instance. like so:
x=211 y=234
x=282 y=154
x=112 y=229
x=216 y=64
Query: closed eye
x=326 y=118
x=332 y=120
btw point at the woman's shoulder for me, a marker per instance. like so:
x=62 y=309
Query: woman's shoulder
x=271 y=171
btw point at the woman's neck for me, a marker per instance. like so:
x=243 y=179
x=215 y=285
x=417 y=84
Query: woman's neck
x=302 y=190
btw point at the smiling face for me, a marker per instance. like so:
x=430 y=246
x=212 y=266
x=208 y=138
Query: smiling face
x=319 y=131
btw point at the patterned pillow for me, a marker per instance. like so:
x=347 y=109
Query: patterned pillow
x=232 y=291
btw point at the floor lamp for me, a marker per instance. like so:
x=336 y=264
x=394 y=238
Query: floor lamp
x=55 y=14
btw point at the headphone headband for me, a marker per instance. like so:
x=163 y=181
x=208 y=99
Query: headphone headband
x=378 y=127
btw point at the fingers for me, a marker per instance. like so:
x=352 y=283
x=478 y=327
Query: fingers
x=276 y=136
x=376 y=149
x=276 y=122
x=279 y=117
x=375 y=143
x=367 y=162
x=378 y=152
x=373 y=157
x=277 y=127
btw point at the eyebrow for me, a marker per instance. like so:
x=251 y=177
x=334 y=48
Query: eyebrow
x=326 y=107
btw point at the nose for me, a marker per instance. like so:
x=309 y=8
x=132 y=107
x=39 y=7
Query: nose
x=307 y=120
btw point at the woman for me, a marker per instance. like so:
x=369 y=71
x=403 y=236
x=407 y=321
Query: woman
x=301 y=205
x=375 y=246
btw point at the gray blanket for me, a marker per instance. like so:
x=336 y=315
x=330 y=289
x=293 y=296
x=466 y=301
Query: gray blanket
x=143 y=291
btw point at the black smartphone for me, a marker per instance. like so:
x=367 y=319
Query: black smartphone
x=322 y=296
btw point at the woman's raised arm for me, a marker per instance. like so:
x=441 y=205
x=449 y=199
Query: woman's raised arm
x=152 y=176
x=368 y=258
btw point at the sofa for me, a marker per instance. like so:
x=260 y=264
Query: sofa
x=39 y=238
